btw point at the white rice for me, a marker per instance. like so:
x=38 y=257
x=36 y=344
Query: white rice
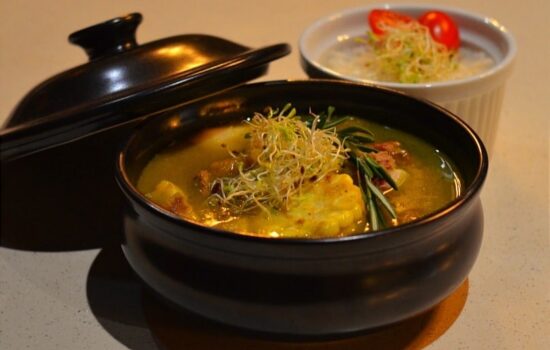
x=352 y=58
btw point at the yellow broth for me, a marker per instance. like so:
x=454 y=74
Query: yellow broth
x=432 y=181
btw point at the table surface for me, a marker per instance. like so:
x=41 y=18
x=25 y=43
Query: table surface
x=45 y=298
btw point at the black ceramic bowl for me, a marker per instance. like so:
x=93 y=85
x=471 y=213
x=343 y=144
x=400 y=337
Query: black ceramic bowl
x=298 y=286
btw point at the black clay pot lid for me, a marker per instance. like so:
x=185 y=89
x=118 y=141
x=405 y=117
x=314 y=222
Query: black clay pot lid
x=124 y=81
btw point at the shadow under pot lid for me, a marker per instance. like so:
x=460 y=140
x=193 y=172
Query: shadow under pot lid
x=124 y=80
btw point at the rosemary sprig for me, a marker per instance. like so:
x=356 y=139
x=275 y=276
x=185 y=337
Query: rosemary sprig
x=357 y=140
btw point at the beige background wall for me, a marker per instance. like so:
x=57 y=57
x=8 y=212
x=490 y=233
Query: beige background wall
x=42 y=295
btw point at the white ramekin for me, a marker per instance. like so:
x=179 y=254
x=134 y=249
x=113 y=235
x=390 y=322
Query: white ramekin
x=477 y=99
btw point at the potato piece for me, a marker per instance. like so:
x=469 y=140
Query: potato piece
x=170 y=197
x=399 y=176
x=230 y=138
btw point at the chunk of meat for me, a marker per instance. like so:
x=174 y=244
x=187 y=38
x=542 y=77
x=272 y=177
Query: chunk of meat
x=225 y=167
x=393 y=148
x=203 y=180
x=384 y=158
x=221 y=168
x=170 y=197
x=388 y=155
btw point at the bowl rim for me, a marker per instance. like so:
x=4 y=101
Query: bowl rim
x=130 y=190
x=488 y=21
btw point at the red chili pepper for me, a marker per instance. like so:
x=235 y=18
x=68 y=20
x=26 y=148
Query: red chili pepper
x=442 y=28
x=380 y=18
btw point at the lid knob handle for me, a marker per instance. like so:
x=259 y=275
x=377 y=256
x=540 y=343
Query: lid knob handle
x=108 y=38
